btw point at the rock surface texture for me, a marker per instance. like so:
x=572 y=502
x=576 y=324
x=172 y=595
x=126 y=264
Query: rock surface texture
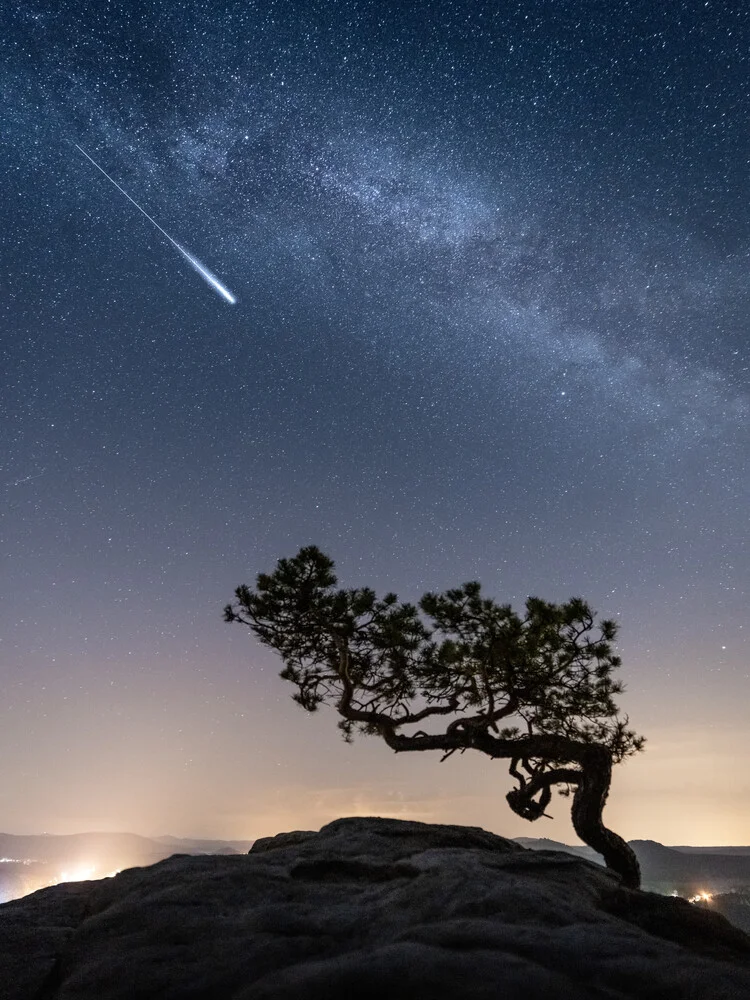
x=368 y=909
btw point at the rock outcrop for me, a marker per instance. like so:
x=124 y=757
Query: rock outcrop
x=369 y=909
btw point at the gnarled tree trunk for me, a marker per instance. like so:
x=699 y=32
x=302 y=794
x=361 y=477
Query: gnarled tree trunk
x=591 y=776
x=591 y=779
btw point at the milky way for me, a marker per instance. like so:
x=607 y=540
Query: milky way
x=492 y=274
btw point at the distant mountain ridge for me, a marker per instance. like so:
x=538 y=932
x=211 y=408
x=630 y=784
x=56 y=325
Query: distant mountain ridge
x=29 y=862
x=198 y=846
x=545 y=844
x=55 y=848
x=666 y=869
x=66 y=848
x=713 y=850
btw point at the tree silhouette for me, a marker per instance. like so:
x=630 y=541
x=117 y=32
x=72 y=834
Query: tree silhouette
x=536 y=689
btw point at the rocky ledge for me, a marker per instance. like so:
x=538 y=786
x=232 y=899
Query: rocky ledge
x=371 y=909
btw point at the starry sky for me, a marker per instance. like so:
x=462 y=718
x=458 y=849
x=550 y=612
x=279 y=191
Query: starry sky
x=491 y=271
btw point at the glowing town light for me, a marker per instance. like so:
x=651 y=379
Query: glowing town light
x=80 y=874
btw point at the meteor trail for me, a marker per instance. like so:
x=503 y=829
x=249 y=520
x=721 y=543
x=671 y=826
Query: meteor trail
x=212 y=280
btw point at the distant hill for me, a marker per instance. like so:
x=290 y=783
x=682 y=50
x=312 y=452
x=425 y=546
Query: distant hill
x=30 y=862
x=699 y=870
x=713 y=850
x=191 y=845
x=652 y=853
x=669 y=869
x=735 y=906
x=545 y=844
x=104 y=849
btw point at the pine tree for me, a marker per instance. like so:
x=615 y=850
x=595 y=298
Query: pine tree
x=536 y=689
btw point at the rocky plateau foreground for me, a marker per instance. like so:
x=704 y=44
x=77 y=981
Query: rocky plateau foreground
x=370 y=909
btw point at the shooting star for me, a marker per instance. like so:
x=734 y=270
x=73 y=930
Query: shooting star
x=25 y=479
x=212 y=280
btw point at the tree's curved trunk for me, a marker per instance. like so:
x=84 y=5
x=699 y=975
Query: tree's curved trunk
x=591 y=777
x=591 y=782
x=589 y=800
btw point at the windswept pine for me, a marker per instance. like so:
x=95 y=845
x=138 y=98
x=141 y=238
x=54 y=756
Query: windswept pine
x=536 y=689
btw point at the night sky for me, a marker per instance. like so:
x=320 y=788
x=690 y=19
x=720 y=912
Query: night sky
x=491 y=271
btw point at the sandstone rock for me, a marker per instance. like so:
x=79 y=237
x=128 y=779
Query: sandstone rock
x=281 y=840
x=366 y=909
